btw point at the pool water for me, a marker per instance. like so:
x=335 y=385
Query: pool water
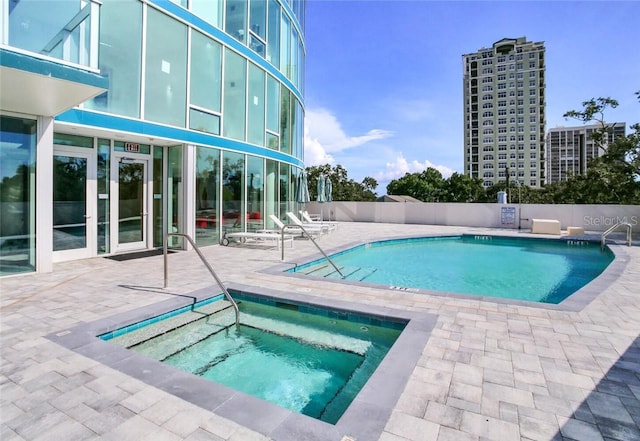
x=308 y=360
x=538 y=270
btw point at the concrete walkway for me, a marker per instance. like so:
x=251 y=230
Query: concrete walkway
x=490 y=370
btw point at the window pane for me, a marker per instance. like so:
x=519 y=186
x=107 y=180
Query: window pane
x=273 y=39
x=285 y=123
x=206 y=67
x=258 y=17
x=209 y=10
x=166 y=70
x=285 y=189
x=273 y=104
x=104 y=182
x=271 y=197
x=207 y=195
x=158 y=196
x=17 y=195
x=235 y=78
x=236 y=19
x=204 y=122
x=120 y=58
x=69 y=202
x=175 y=202
x=255 y=193
x=285 y=47
x=256 y=105
x=233 y=188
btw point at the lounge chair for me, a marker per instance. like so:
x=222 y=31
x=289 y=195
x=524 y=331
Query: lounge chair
x=308 y=220
x=321 y=229
x=258 y=238
x=311 y=231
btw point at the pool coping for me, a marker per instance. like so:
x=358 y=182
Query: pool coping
x=576 y=302
x=364 y=419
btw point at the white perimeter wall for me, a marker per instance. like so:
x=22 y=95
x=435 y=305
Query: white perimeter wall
x=589 y=217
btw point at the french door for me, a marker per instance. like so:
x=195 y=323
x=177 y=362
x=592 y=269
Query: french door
x=74 y=192
x=129 y=209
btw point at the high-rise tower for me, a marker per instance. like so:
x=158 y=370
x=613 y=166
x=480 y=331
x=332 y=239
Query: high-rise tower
x=504 y=117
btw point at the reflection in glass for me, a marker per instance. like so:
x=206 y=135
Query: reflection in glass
x=273 y=38
x=255 y=193
x=206 y=72
x=130 y=202
x=256 y=120
x=207 y=195
x=271 y=192
x=236 y=19
x=285 y=190
x=233 y=189
x=158 y=196
x=235 y=79
x=175 y=201
x=17 y=195
x=165 y=96
x=120 y=57
x=69 y=203
x=104 y=181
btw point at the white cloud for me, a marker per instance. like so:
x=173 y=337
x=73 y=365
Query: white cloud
x=400 y=166
x=324 y=135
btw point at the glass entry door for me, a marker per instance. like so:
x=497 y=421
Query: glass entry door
x=73 y=193
x=131 y=204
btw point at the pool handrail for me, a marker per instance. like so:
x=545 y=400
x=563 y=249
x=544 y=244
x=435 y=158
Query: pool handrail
x=301 y=227
x=206 y=264
x=629 y=227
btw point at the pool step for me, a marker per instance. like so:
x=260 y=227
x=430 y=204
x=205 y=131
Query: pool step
x=197 y=324
x=306 y=334
x=349 y=272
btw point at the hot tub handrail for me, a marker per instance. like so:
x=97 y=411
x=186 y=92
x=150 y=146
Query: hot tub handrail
x=314 y=242
x=206 y=264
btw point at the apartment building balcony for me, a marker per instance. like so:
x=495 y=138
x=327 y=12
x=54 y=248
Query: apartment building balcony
x=49 y=57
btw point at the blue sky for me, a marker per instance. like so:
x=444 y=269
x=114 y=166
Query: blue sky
x=384 y=77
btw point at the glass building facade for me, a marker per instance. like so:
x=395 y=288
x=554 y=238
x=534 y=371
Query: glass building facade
x=125 y=120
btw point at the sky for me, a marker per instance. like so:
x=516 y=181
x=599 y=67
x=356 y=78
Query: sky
x=383 y=84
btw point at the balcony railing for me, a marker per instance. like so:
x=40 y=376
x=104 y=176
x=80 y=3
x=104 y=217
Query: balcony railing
x=65 y=31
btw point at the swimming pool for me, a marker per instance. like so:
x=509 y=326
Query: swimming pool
x=306 y=359
x=538 y=270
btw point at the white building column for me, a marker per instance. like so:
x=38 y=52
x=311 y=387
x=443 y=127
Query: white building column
x=44 y=195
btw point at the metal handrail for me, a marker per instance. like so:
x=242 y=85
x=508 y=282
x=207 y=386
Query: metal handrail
x=312 y=240
x=611 y=229
x=204 y=260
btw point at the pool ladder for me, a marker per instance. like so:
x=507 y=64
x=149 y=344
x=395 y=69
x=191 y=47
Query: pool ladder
x=614 y=227
x=206 y=264
x=284 y=228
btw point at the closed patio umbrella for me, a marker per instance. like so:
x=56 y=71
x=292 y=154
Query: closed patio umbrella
x=328 y=192
x=322 y=196
x=302 y=192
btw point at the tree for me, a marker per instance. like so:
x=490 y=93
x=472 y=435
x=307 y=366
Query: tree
x=427 y=186
x=463 y=188
x=613 y=177
x=343 y=188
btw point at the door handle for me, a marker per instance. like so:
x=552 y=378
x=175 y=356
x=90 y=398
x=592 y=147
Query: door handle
x=86 y=216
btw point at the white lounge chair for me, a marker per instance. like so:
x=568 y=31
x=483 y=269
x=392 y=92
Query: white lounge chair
x=310 y=231
x=308 y=220
x=258 y=238
x=321 y=229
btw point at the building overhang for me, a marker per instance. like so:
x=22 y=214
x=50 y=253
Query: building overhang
x=43 y=87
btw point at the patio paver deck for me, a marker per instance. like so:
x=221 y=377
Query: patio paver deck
x=490 y=370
